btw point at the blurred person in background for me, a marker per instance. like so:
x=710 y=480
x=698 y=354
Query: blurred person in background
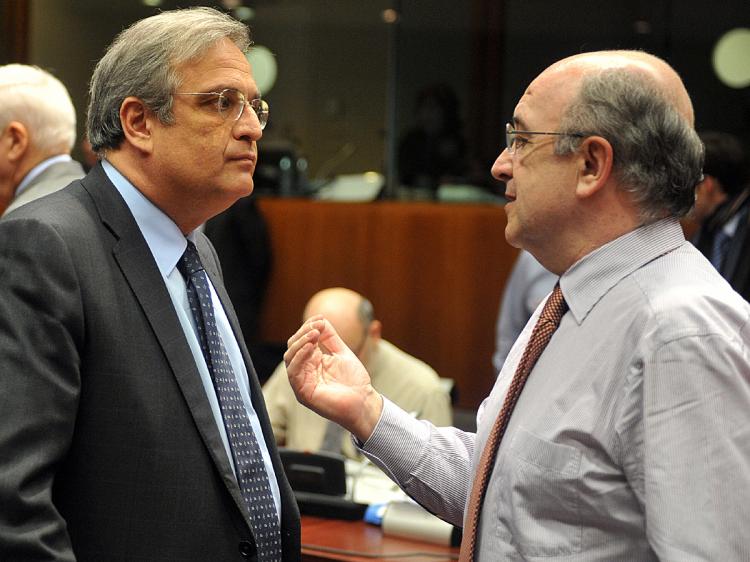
x=722 y=202
x=407 y=381
x=37 y=133
x=434 y=151
x=528 y=285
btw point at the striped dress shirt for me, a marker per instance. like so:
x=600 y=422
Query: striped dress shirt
x=631 y=439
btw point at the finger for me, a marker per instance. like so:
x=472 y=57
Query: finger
x=307 y=325
x=295 y=346
x=295 y=361
x=330 y=339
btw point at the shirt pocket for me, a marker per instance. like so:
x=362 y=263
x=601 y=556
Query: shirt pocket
x=544 y=496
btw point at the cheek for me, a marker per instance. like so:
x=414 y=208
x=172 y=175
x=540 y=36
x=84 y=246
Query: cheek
x=209 y=151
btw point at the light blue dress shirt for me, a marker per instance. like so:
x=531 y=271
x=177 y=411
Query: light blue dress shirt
x=167 y=244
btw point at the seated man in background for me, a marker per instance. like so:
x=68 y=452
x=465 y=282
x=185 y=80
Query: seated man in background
x=405 y=380
x=37 y=132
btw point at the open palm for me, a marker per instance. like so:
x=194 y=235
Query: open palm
x=327 y=376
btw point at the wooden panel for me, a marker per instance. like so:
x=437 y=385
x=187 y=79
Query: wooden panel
x=434 y=273
x=14 y=31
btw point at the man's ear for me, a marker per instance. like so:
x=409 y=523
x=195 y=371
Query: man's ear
x=596 y=160
x=15 y=140
x=375 y=330
x=711 y=186
x=137 y=123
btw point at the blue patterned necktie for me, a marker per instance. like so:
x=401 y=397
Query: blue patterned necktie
x=248 y=462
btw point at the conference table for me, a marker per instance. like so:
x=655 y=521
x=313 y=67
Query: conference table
x=325 y=540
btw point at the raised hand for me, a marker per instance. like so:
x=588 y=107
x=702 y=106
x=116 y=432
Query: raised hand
x=328 y=378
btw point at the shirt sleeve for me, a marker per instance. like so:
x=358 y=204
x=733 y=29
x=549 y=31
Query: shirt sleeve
x=432 y=465
x=688 y=447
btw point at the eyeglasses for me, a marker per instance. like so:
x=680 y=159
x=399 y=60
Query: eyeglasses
x=514 y=143
x=230 y=104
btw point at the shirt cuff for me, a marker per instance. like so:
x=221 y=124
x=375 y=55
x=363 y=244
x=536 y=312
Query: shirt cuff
x=396 y=442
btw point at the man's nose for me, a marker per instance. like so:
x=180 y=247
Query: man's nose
x=502 y=169
x=248 y=125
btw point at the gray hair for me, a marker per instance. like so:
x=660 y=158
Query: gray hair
x=365 y=312
x=658 y=156
x=37 y=99
x=142 y=62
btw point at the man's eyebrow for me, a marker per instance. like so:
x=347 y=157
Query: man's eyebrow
x=249 y=94
x=518 y=123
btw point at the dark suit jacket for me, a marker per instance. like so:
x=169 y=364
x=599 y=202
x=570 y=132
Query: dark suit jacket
x=108 y=447
x=736 y=266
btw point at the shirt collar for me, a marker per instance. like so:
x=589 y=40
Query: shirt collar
x=38 y=169
x=164 y=238
x=591 y=277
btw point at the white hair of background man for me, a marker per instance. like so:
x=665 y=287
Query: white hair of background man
x=37 y=99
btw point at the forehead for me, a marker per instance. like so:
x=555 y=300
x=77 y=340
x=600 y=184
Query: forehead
x=222 y=65
x=545 y=100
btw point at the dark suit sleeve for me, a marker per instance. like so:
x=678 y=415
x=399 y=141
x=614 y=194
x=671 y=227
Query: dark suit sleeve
x=41 y=330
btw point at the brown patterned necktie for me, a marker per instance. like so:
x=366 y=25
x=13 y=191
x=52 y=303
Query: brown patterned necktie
x=548 y=322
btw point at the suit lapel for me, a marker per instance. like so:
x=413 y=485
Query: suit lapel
x=134 y=258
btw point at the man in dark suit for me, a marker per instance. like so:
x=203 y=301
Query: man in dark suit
x=123 y=382
x=37 y=132
x=722 y=208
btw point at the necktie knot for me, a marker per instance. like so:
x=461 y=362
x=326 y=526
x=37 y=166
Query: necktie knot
x=555 y=307
x=190 y=262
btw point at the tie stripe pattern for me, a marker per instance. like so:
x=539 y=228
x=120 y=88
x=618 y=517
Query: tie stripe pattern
x=248 y=461
x=548 y=322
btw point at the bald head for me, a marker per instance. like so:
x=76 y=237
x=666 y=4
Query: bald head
x=663 y=77
x=638 y=103
x=349 y=312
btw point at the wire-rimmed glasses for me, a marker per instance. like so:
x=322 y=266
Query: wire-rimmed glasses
x=514 y=143
x=230 y=104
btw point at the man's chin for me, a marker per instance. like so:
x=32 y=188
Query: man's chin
x=244 y=187
x=512 y=236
